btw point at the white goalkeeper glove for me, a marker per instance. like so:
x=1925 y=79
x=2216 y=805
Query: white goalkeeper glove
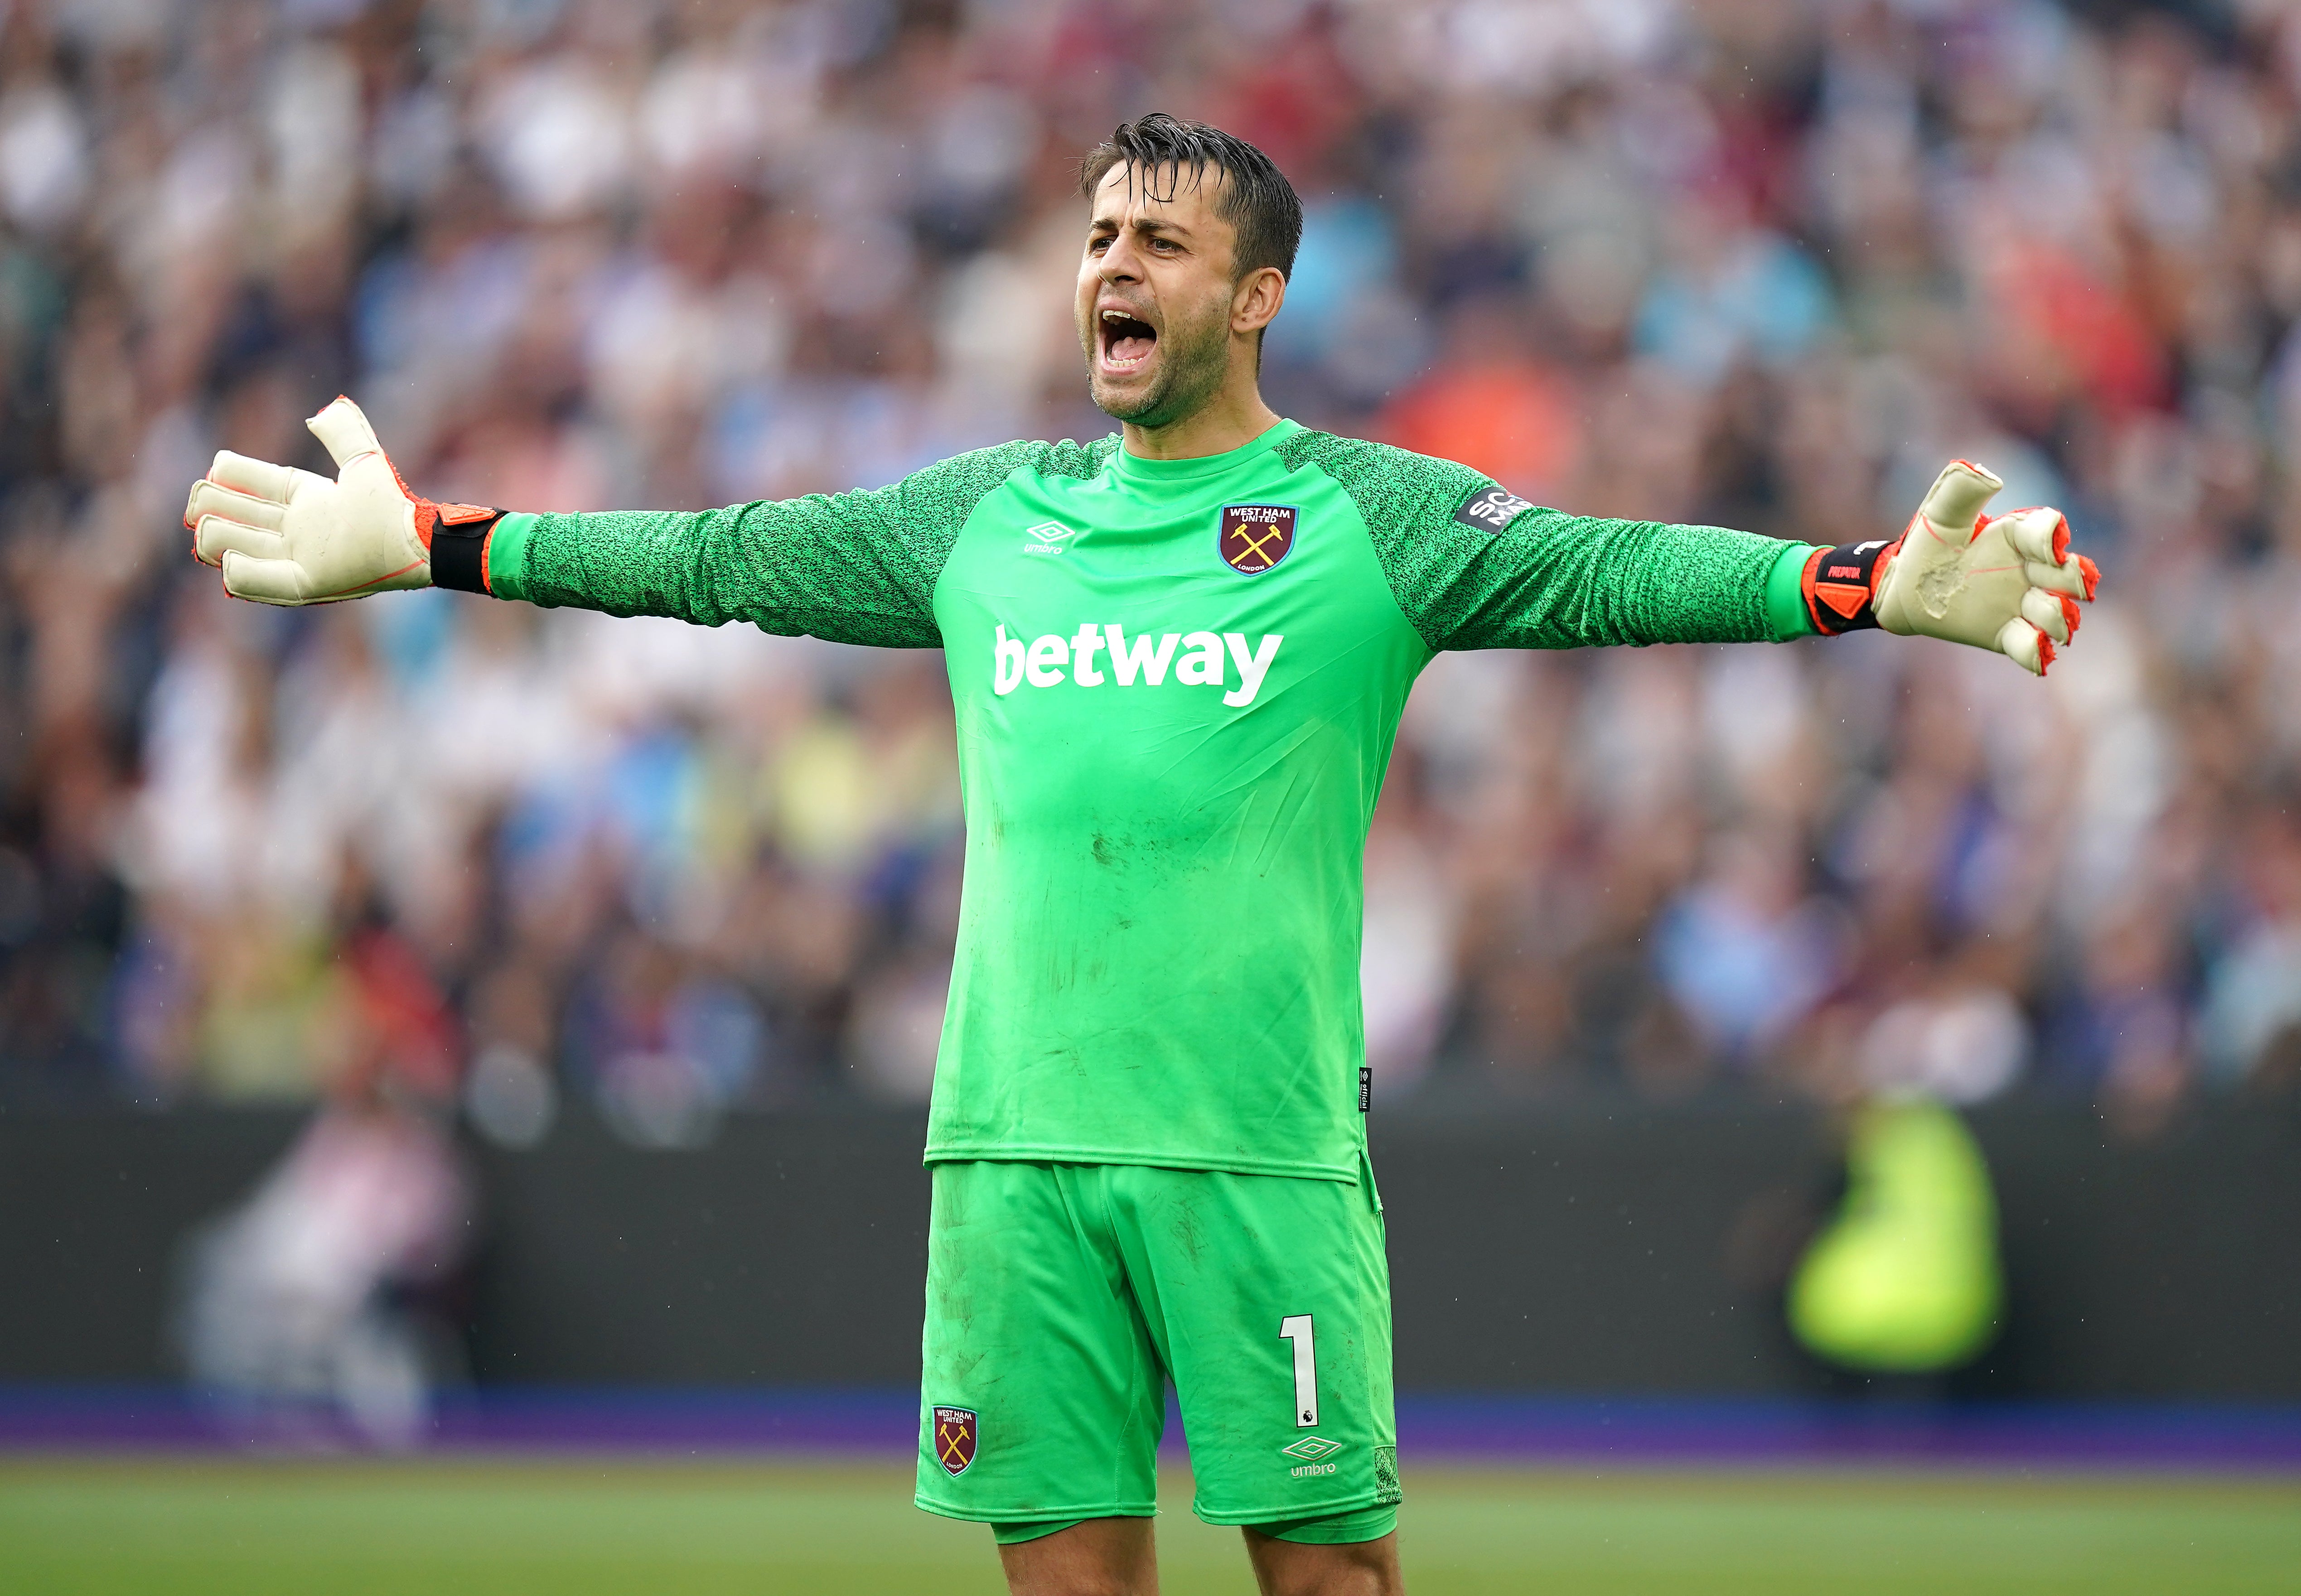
x=2008 y=583
x=284 y=536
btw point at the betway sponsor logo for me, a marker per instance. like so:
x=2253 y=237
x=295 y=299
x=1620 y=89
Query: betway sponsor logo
x=1206 y=659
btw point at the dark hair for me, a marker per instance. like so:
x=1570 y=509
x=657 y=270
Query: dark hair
x=1257 y=201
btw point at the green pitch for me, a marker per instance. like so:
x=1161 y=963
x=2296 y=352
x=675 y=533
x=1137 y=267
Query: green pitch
x=573 y=1528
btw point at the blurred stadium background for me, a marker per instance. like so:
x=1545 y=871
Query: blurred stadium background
x=581 y=1112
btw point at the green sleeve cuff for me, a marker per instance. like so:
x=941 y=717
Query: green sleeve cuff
x=1785 y=611
x=506 y=565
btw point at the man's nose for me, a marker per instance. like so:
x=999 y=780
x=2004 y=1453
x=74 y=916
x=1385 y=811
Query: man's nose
x=1119 y=264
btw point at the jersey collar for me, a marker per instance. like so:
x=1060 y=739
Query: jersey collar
x=1203 y=465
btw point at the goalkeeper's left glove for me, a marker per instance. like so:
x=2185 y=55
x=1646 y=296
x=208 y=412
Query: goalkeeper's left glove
x=2008 y=582
x=284 y=536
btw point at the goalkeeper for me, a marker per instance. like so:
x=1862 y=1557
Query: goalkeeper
x=1177 y=658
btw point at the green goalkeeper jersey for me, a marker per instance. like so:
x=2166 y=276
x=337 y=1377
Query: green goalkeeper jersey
x=1175 y=683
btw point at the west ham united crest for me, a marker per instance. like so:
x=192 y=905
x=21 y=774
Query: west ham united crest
x=954 y=1439
x=1253 y=537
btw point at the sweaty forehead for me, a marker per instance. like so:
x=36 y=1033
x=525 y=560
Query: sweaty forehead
x=1181 y=198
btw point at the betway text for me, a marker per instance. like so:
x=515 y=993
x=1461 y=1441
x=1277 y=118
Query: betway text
x=1097 y=654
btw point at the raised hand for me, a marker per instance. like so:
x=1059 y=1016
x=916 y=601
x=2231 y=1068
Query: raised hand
x=285 y=536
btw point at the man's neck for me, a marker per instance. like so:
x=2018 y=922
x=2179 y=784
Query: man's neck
x=1234 y=418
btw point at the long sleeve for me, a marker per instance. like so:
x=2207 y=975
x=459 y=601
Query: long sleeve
x=853 y=567
x=1473 y=567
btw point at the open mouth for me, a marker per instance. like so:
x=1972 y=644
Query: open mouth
x=1127 y=340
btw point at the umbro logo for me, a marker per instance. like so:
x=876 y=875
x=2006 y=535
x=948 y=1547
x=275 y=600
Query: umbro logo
x=1311 y=1448
x=1052 y=536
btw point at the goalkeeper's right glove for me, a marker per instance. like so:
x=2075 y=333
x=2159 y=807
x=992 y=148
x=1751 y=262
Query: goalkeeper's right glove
x=284 y=536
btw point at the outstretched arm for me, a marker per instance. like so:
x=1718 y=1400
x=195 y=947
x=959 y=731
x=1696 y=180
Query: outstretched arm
x=1473 y=566
x=1548 y=580
x=853 y=567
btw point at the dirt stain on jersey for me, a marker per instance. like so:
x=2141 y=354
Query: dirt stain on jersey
x=1189 y=1234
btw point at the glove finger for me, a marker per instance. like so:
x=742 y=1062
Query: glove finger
x=258 y=479
x=2054 y=614
x=218 y=534
x=343 y=430
x=266 y=582
x=2025 y=645
x=2041 y=534
x=1954 y=503
x=2077 y=578
x=209 y=499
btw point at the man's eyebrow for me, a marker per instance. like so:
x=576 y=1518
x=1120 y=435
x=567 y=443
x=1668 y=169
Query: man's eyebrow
x=1141 y=224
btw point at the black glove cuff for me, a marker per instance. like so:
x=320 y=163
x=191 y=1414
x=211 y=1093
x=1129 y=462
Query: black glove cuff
x=1841 y=585
x=459 y=551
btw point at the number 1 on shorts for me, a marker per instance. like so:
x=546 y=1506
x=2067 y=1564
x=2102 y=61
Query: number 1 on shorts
x=1296 y=1328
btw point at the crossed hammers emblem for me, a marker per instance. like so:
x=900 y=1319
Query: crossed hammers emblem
x=1254 y=544
x=955 y=1442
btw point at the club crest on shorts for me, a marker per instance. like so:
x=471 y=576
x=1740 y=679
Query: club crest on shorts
x=954 y=1439
x=1253 y=537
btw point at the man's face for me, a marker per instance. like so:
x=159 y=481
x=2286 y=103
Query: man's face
x=1155 y=295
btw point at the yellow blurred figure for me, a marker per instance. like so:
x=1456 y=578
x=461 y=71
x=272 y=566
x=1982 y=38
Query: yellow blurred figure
x=1905 y=1279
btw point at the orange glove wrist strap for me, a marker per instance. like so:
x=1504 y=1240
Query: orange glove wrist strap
x=1841 y=585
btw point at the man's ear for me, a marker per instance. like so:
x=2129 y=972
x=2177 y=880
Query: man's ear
x=1257 y=299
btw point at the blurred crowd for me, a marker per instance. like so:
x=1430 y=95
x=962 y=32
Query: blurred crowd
x=1757 y=264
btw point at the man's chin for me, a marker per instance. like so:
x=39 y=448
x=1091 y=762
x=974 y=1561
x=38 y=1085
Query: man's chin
x=1179 y=378
x=1130 y=400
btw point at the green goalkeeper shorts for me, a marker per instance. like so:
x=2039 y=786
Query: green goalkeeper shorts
x=1062 y=1297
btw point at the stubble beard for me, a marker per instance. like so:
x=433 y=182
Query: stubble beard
x=1191 y=365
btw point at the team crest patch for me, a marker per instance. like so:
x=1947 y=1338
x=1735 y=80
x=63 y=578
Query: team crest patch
x=1253 y=537
x=954 y=1439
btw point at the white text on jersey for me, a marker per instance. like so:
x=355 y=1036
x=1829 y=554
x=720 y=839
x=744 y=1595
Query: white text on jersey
x=1043 y=660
